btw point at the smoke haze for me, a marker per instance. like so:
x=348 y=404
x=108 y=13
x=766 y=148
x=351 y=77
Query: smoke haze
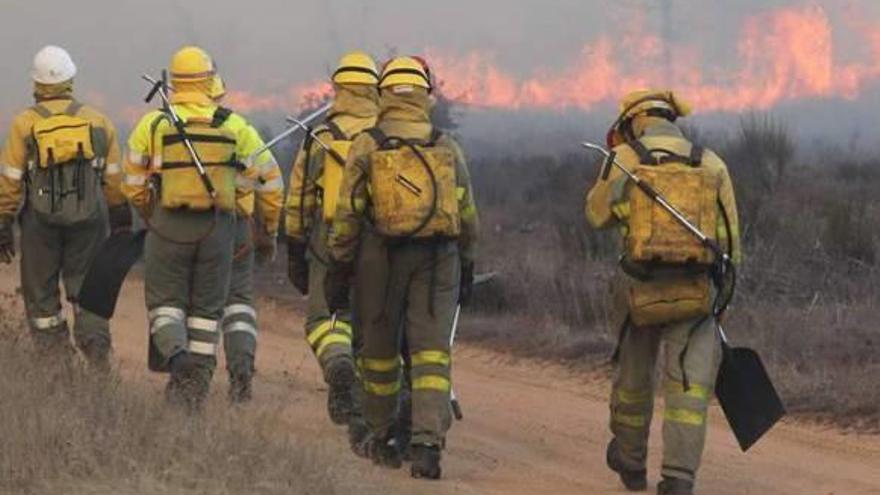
x=499 y=54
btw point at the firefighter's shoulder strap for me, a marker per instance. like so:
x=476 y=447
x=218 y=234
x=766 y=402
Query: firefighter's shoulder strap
x=648 y=157
x=386 y=142
x=336 y=131
x=221 y=115
x=71 y=111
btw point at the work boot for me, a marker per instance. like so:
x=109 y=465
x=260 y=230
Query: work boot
x=181 y=389
x=240 y=390
x=675 y=486
x=425 y=462
x=97 y=356
x=340 y=377
x=385 y=452
x=635 y=480
x=358 y=436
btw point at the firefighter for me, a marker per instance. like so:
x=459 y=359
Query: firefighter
x=254 y=243
x=310 y=210
x=60 y=165
x=409 y=254
x=189 y=249
x=667 y=285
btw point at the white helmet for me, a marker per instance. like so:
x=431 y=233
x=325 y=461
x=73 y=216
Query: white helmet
x=53 y=65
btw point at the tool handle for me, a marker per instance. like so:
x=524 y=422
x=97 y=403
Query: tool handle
x=456 y=410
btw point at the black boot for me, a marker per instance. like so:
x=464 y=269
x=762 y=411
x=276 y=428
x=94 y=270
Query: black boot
x=181 y=390
x=633 y=480
x=340 y=376
x=240 y=389
x=358 y=436
x=385 y=452
x=675 y=486
x=425 y=462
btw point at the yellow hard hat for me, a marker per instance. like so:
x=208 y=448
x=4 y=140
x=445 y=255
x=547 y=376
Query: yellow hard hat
x=218 y=88
x=191 y=64
x=356 y=68
x=407 y=71
x=653 y=100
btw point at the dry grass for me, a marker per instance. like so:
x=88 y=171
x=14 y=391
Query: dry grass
x=809 y=289
x=68 y=432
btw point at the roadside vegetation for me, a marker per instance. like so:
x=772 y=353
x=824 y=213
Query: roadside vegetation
x=809 y=289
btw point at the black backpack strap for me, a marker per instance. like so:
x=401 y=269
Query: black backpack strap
x=73 y=108
x=42 y=111
x=436 y=134
x=221 y=115
x=696 y=157
x=335 y=130
x=645 y=156
x=378 y=136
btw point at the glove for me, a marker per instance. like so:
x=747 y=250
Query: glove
x=7 y=241
x=466 y=283
x=267 y=249
x=297 y=266
x=120 y=218
x=337 y=285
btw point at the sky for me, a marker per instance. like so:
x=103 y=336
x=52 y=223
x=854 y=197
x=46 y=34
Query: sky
x=547 y=54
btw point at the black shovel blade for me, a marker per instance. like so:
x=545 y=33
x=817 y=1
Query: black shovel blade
x=747 y=396
x=100 y=289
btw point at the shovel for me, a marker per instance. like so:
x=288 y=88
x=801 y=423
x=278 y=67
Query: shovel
x=103 y=281
x=746 y=394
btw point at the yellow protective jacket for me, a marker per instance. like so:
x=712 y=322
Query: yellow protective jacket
x=260 y=184
x=15 y=155
x=405 y=116
x=607 y=206
x=355 y=109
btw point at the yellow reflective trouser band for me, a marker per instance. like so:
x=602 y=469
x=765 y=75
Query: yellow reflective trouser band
x=685 y=416
x=468 y=212
x=695 y=391
x=383 y=389
x=426 y=358
x=621 y=210
x=460 y=192
x=633 y=396
x=321 y=331
x=631 y=420
x=431 y=382
x=329 y=340
x=380 y=365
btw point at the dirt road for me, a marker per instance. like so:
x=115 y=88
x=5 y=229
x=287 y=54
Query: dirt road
x=529 y=428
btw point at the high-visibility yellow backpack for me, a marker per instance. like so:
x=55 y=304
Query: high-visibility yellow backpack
x=412 y=188
x=655 y=237
x=333 y=166
x=182 y=186
x=67 y=155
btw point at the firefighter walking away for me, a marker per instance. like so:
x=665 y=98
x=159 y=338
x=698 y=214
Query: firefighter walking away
x=404 y=233
x=60 y=165
x=667 y=287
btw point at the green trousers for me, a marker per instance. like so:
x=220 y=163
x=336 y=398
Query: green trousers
x=186 y=284
x=240 y=316
x=685 y=414
x=328 y=341
x=409 y=288
x=51 y=254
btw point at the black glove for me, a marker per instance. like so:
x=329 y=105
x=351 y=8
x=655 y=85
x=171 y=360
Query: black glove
x=297 y=266
x=7 y=241
x=466 y=286
x=337 y=285
x=120 y=218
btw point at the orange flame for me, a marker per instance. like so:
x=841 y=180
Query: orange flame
x=785 y=54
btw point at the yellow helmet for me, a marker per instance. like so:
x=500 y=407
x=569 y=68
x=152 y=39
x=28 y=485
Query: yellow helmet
x=356 y=68
x=218 y=88
x=408 y=71
x=191 y=64
x=653 y=101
